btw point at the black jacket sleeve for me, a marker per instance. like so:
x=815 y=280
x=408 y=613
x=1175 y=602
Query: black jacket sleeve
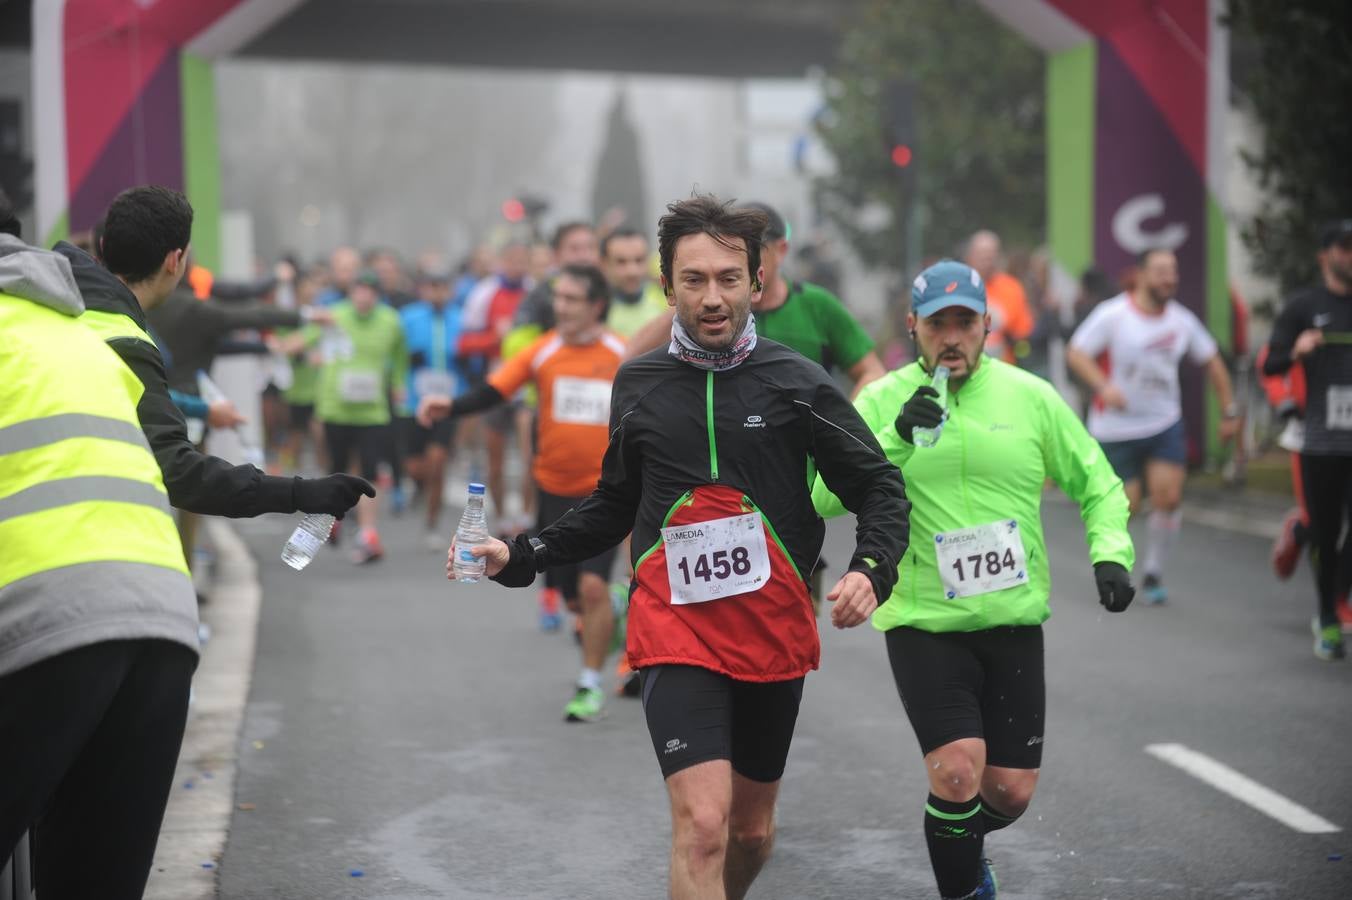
x=220 y=319
x=1290 y=323
x=476 y=400
x=857 y=471
x=600 y=521
x=195 y=482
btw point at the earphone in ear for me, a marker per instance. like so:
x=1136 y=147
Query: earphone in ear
x=755 y=285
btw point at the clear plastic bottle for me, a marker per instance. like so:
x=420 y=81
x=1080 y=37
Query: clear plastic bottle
x=311 y=534
x=928 y=437
x=468 y=534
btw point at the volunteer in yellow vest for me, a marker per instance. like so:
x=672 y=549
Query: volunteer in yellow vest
x=144 y=247
x=98 y=620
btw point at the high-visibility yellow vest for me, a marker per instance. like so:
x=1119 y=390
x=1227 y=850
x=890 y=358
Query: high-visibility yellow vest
x=111 y=325
x=79 y=485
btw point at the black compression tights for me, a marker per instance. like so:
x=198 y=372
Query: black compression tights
x=1327 y=481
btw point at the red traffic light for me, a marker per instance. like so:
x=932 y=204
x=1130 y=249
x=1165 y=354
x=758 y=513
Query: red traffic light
x=513 y=210
x=901 y=156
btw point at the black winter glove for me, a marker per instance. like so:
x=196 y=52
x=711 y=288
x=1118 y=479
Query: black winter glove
x=921 y=411
x=1114 y=586
x=332 y=494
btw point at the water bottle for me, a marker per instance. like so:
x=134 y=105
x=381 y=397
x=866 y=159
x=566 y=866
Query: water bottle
x=470 y=533
x=928 y=437
x=305 y=541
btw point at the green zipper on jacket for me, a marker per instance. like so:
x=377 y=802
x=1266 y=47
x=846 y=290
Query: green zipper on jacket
x=709 y=417
x=749 y=505
x=680 y=501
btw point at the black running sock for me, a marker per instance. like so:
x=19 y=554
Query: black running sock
x=953 y=831
x=992 y=819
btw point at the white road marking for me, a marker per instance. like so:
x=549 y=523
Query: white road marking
x=1242 y=788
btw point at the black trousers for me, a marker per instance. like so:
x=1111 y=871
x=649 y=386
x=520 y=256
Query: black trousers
x=88 y=744
x=1327 y=481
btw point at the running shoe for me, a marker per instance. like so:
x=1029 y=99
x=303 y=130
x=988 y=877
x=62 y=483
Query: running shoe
x=368 y=549
x=1328 y=641
x=587 y=705
x=398 y=500
x=550 y=620
x=1286 y=548
x=989 y=886
x=1344 y=611
x=1154 y=591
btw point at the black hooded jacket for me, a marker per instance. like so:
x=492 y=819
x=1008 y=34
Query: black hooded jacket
x=196 y=482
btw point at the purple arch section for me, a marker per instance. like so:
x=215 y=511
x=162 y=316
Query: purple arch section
x=147 y=146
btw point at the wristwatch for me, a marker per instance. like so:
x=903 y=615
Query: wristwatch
x=541 y=552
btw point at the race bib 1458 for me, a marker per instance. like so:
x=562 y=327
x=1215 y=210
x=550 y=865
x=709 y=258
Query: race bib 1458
x=716 y=559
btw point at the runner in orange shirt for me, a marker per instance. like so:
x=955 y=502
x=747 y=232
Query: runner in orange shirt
x=1011 y=320
x=573 y=367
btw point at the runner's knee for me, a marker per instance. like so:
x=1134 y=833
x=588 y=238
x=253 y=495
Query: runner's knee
x=953 y=774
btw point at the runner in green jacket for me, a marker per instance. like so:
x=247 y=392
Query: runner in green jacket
x=963 y=623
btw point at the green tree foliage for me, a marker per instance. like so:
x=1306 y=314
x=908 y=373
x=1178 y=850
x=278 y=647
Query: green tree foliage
x=1292 y=65
x=979 y=158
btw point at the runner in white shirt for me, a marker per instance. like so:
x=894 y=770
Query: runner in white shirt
x=1128 y=352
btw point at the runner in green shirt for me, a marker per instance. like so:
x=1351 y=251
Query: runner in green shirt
x=963 y=623
x=365 y=363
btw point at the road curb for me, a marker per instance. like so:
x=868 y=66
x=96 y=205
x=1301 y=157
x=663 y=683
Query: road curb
x=201 y=800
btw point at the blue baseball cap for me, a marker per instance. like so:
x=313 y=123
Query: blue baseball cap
x=947 y=283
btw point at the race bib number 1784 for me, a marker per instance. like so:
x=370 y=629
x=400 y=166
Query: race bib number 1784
x=980 y=560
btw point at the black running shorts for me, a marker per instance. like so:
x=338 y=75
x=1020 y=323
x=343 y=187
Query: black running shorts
x=696 y=715
x=549 y=509
x=976 y=684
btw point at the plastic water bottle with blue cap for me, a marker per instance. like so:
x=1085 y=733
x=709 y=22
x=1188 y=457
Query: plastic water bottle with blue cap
x=470 y=533
x=928 y=437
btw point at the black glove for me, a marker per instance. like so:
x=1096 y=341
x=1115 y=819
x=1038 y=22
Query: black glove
x=332 y=494
x=1114 y=586
x=919 y=412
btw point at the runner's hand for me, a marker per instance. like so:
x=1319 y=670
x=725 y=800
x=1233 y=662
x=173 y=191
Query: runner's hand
x=1307 y=342
x=494 y=552
x=854 y=600
x=1114 y=586
x=921 y=411
x=433 y=407
x=1112 y=396
x=222 y=414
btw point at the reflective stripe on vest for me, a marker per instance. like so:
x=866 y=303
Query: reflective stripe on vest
x=111 y=326
x=78 y=482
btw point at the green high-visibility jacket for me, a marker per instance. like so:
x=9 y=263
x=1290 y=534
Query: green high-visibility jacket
x=1007 y=432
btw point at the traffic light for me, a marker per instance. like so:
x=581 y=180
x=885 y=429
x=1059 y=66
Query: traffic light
x=898 y=121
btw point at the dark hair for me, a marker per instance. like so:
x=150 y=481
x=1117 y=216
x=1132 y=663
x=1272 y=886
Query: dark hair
x=620 y=234
x=9 y=218
x=561 y=233
x=143 y=226
x=1144 y=256
x=598 y=291
x=706 y=214
x=775 y=226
